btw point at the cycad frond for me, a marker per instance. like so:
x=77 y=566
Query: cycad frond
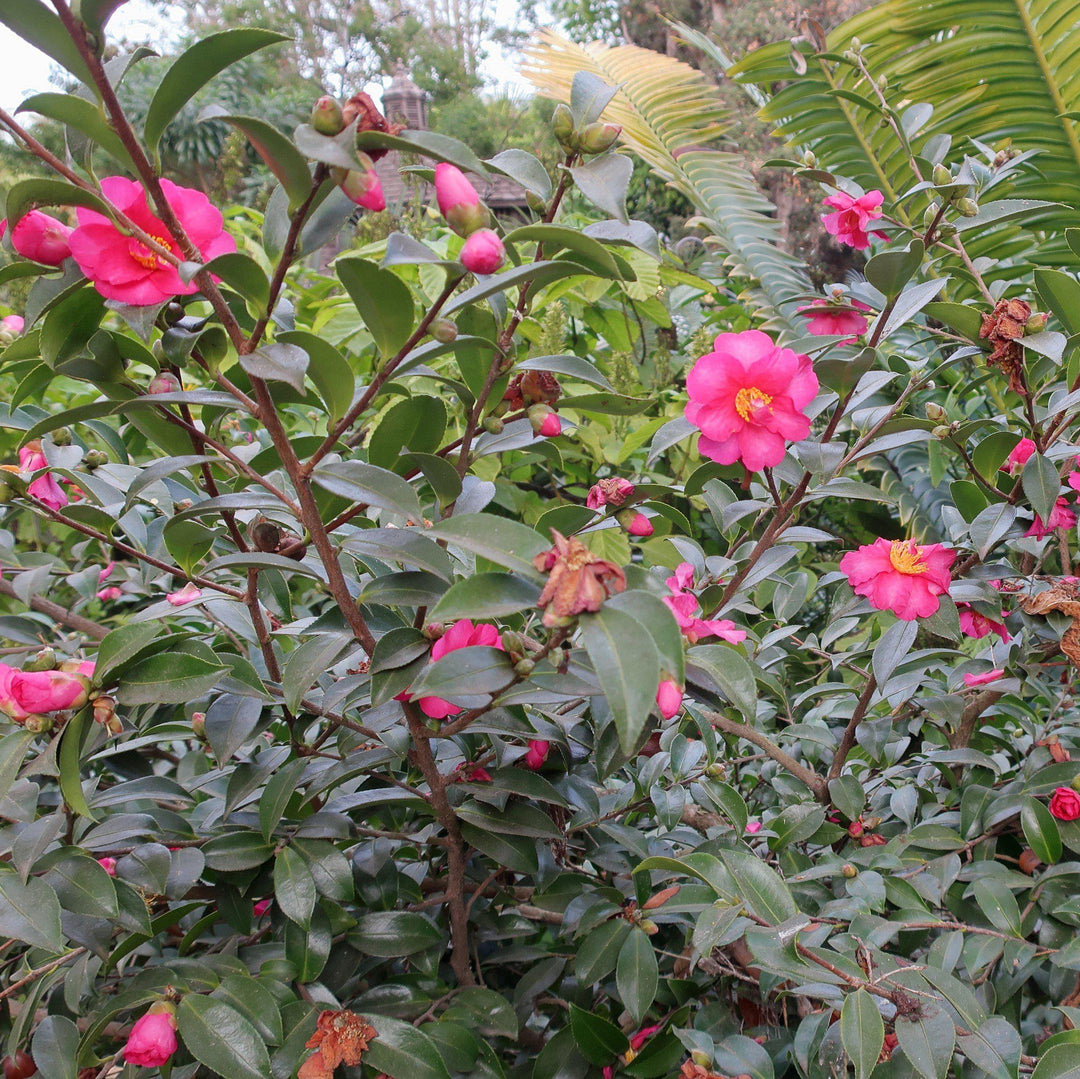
x=670 y=114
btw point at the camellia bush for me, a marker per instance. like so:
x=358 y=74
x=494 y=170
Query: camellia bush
x=539 y=650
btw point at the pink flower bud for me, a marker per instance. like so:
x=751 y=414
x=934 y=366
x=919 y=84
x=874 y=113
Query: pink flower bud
x=110 y=593
x=753 y=826
x=165 y=382
x=13 y=324
x=23 y=693
x=188 y=594
x=669 y=698
x=261 y=907
x=636 y=523
x=537 y=754
x=483 y=252
x=42 y=238
x=365 y=189
x=109 y=865
x=153 y=1037
x=327 y=116
x=544 y=421
x=458 y=201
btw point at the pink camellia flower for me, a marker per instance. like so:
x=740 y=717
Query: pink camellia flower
x=1060 y=517
x=753 y=827
x=1019 y=454
x=105 y=573
x=848 y=223
x=121 y=266
x=747 y=397
x=188 y=594
x=458 y=201
x=636 y=523
x=642 y=1036
x=109 y=865
x=365 y=189
x=475 y=773
x=483 y=252
x=1065 y=804
x=982 y=679
x=977 y=625
x=462 y=634
x=153 y=1037
x=537 y=754
x=26 y=693
x=551 y=426
x=32 y=457
x=684 y=605
x=828 y=318
x=260 y=908
x=108 y=594
x=41 y=238
x=669 y=698
x=611 y=492
x=48 y=492
x=164 y=382
x=13 y=324
x=900 y=576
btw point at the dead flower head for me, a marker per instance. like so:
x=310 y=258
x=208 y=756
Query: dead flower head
x=1003 y=327
x=577 y=581
x=339 y=1038
x=360 y=105
x=532 y=388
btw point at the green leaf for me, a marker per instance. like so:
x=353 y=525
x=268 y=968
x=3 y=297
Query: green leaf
x=294 y=887
x=995 y=1048
x=1042 y=485
x=589 y=96
x=485 y=595
x=636 y=974
x=527 y=169
x=1058 y=1062
x=13 y=747
x=242 y=273
x=533 y=274
x=403 y=1052
x=194 y=68
x=69 y=759
x=382 y=300
x=862 y=1032
x=731 y=672
x=327 y=369
x=121 y=646
x=604 y=182
x=573 y=367
x=305 y=663
x=83 y=887
x=599 y=950
x=28 y=194
x=498 y=539
x=997 y=902
x=1060 y=292
x=889 y=271
x=82 y=115
x=415 y=424
x=561 y=236
x=598 y=1039
x=363 y=483
x=277 y=363
x=37 y=25
x=928 y=1041
x=427 y=144
x=30 y=912
x=222 y=1039
x=628 y=667
x=253 y=1001
x=760 y=887
x=172 y=678
x=275 y=148
x=847 y=794
x=55 y=1047
x=392 y=933
x=1040 y=831
x=655 y=615
x=465 y=672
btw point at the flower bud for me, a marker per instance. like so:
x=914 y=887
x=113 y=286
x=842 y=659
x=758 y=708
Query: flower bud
x=809 y=159
x=942 y=431
x=856 y=44
x=44 y=660
x=1075 y=784
x=433 y=630
x=493 y=425
x=562 y=126
x=327 y=116
x=36 y=724
x=942 y=175
x=198 y=725
x=535 y=203
x=365 y=189
x=701 y=1058
x=635 y=522
x=444 y=331
x=524 y=667
x=62 y=436
x=648 y=927
x=42 y=238
x=544 y=421
x=967 y=207
x=598 y=137
x=1036 y=323
x=851 y=56
x=716 y=771
x=849 y=871
x=458 y=201
x=930 y=215
x=165 y=382
x=935 y=413
x=174 y=312
x=882 y=83
x=946 y=229
x=95 y=459
x=483 y=252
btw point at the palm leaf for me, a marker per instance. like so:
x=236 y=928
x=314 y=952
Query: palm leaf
x=671 y=114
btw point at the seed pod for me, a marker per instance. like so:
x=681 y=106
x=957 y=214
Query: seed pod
x=327 y=116
x=265 y=535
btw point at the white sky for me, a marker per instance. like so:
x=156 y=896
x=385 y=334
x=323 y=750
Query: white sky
x=25 y=71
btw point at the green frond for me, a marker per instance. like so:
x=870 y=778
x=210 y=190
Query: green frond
x=671 y=114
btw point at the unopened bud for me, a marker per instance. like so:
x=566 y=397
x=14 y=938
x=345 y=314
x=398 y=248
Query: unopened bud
x=433 y=630
x=562 y=126
x=1036 y=323
x=851 y=56
x=935 y=413
x=524 y=667
x=967 y=207
x=715 y=771
x=930 y=215
x=444 y=331
x=942 y=431
x=535 y=203
x=1075 y=784
x=493 y=425
x=598 y=137
x=44 y=660
x=809 y=159
x=38 y=724
x=165 y=382
x=701 y=1058
x=174 y=312
x=942 y=175
x=95 y=459
x=544 y=421
x=327 y=116
x=882 y=83
x=946 y=229
x=62 y=436
x=856 y=44
x=198 y=725
x=648 y=926
x=849 y=871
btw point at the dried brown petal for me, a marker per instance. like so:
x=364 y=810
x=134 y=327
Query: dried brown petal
x=341 y=1038
x=370 y=119
x=577 y=581
x=1063 y=596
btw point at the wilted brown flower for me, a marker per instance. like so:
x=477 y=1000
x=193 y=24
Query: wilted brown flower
x=890 y=1043
x=577 y=580
x=1060 y=754
x=690 y=1070
x=1063 y=596
x=339 y=1038
x=360 y=105
x=532 y=388
x=1002 y=328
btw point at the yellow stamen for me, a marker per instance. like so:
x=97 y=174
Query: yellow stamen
x=749 y=401
x=906 y=557
x=144 y=256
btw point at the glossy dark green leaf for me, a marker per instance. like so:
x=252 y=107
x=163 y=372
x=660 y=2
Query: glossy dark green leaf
x=393 y=933
x=222 y=1039
x=403 y=1051
x=486 y=595
x=55 y=1047
x=598 y=1039
x=171 y=678
x=277 y=363
x=294 y=887
x=382 y=300
x=604 y=181
x=862 y=1031
x=927 y=1041
x=760 y=887
x=1041 y=831
x=637 y=974
x=39 y=26
x=30 y=912
x=498 y=539
x=361 y=482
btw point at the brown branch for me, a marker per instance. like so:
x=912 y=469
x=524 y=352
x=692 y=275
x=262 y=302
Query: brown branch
x=60 y=614
x=39 y=972
x=740 y=730
x=847 y=740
